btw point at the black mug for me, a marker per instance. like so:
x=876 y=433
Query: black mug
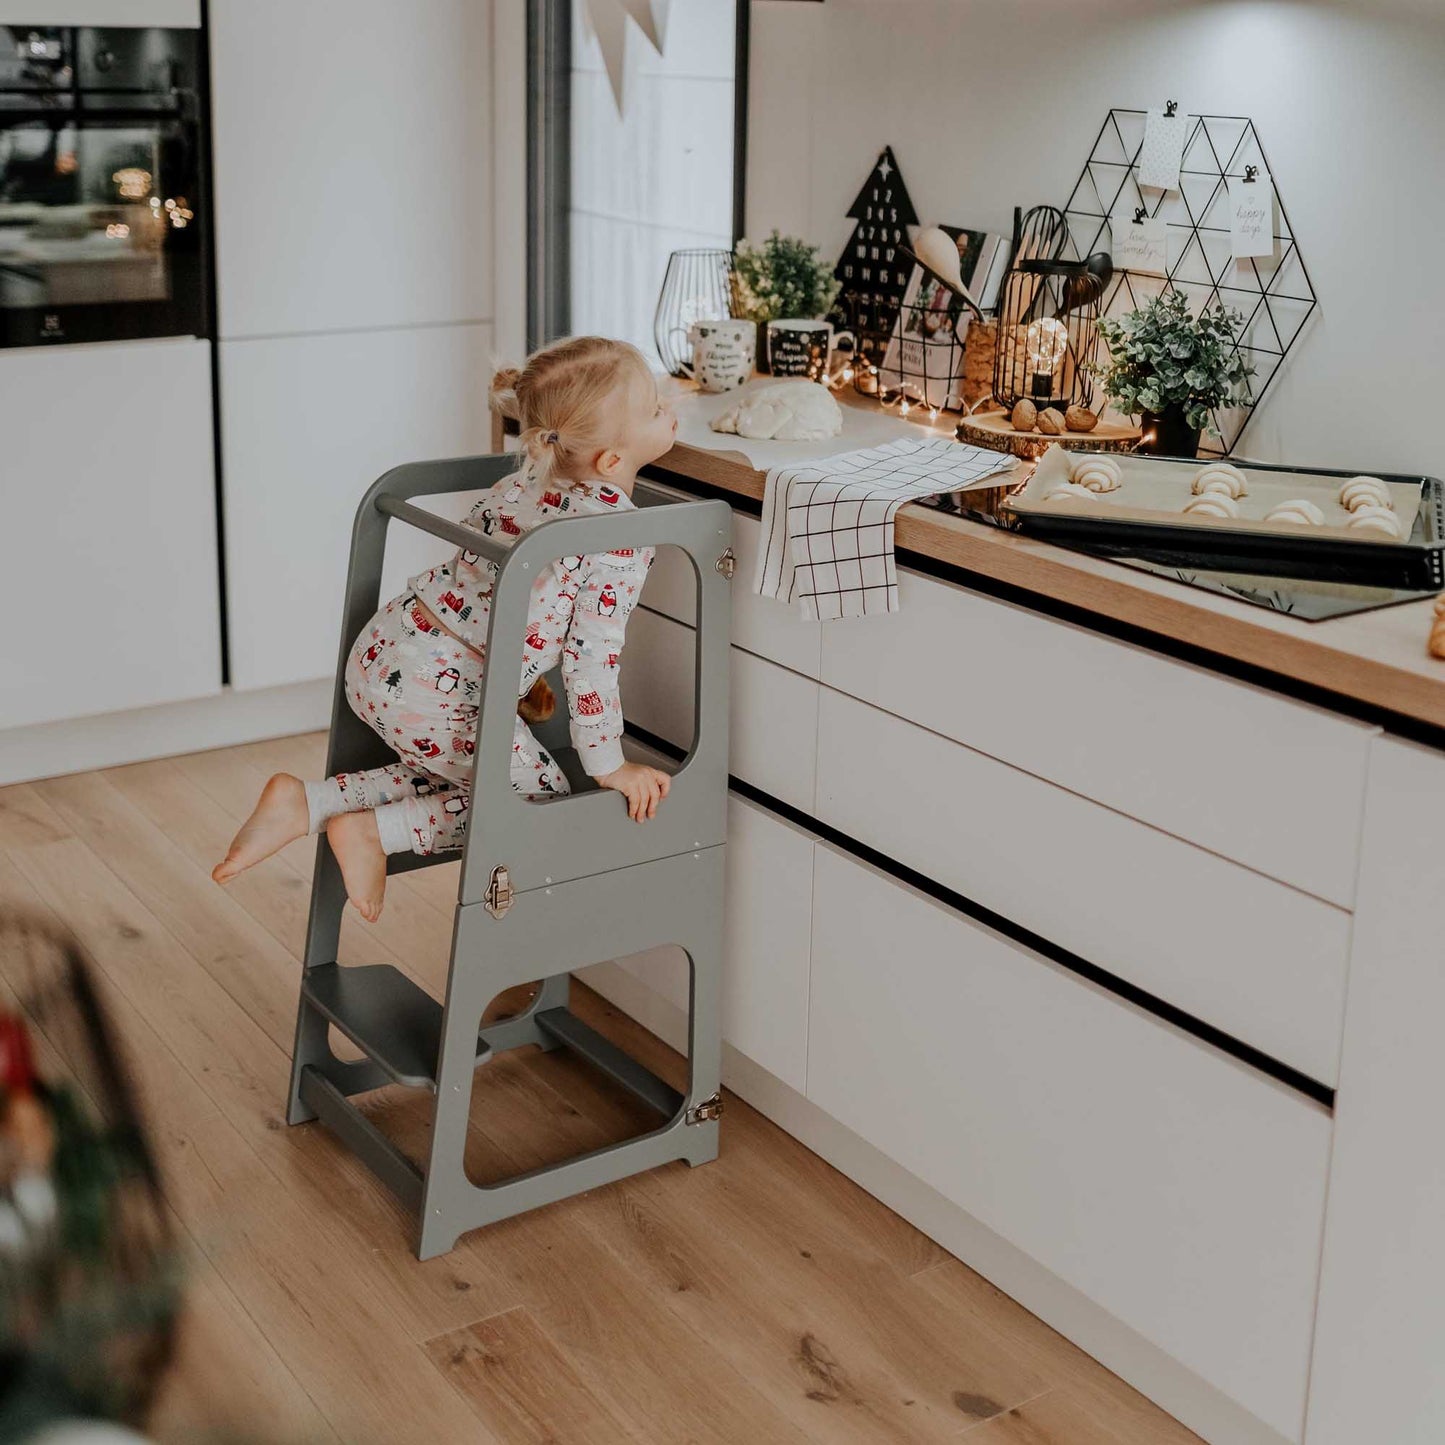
x=803 y=348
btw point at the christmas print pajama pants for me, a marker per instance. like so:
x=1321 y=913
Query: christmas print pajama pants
x=420 y=689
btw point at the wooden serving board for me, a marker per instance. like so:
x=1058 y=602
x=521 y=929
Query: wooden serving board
x=993 y=429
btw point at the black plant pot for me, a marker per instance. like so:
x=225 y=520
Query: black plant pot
x=1168 y=434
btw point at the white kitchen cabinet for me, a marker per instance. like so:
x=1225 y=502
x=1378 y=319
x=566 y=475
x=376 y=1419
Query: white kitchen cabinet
x=307 y=424
x=761 y=625
x=1271 y=783
x=766 y=945
x=108 y=556
x=1179 y=1190
x=353 y=163
x=1377 y=1374
x=773 y=713
x=769 y=921
x=1262 y=961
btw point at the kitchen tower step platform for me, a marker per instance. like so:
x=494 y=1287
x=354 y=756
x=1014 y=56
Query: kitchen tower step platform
x=545 y=886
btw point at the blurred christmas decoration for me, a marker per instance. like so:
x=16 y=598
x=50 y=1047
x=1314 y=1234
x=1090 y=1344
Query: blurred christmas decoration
x=608 y=22
x=873 y=271
x=89 y=1284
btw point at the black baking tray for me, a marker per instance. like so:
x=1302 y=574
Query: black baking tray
x=1416 y=564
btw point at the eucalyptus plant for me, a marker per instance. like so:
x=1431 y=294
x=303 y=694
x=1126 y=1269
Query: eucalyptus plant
x=784 y=276
x=1160 y=356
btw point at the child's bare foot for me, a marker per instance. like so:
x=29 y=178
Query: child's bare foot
x=357 y=845
x=280 y=817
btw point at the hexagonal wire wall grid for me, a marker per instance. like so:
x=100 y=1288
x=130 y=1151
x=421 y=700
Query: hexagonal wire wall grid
x=1274 y=293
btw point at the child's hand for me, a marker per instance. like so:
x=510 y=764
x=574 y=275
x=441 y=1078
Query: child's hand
x=643 y=787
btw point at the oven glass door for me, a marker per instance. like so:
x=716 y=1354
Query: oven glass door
x=101 y=173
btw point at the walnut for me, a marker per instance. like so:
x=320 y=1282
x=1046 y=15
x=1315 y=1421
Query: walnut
x=1025 y=414
x=1080 y=418
x=1051 y=422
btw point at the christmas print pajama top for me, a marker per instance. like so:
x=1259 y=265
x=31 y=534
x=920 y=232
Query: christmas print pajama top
x=420 y=687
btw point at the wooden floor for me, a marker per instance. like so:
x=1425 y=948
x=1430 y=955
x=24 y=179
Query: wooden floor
x=760 y=1300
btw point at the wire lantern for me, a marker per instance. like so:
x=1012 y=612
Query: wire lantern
x=89 y=1276
x=696 y=287
x=1047 y=334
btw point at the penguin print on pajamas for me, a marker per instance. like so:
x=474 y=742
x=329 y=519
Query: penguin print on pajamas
x=571 y=564
x=447 y=679
x=607 y=600
x=368 y=658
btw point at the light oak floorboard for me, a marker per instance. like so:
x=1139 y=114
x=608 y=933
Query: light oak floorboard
x=26 y=820
x=763 y=1297
x=519 y=1380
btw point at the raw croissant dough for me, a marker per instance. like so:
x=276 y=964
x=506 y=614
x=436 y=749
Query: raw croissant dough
x=786 y=411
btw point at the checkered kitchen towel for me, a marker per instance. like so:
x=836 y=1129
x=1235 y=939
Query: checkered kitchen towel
x=828 y=524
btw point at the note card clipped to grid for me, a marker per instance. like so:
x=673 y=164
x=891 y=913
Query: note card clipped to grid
x=828 y=524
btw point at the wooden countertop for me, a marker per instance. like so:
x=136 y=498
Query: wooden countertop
x=1374 y=660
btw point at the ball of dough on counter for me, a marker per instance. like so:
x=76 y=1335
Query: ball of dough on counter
x=1220 y=477
x=785 y=411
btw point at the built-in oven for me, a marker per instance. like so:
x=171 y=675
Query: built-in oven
x=103 y=213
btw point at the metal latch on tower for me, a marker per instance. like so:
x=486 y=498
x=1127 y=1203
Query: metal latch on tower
x=498 y=897
x=706 y=1110
x=727 y=564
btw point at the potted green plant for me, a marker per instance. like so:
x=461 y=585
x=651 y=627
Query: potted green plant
x=1172 y=370
x=781 y=278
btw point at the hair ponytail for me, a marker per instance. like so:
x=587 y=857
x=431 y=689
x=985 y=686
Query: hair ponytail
x=567 y=401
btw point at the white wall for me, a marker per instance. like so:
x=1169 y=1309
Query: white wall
x=988 y=105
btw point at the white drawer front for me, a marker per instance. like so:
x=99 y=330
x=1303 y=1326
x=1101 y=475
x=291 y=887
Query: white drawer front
x=773 y=715
x=1177 y=1189
x=760 y=624
x=1271 y=783
x=1262 y=961
x=769 y=918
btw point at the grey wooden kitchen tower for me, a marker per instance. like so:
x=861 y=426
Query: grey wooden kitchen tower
x=545 y=887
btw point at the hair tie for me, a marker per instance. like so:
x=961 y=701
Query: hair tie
x=550 y=438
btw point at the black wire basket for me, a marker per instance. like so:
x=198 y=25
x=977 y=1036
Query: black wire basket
x=89 y=1277
x=696 y=287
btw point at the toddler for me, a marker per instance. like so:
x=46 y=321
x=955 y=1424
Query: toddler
x=591 y=418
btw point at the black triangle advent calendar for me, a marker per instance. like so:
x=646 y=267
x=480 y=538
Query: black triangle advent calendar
x=873 y=272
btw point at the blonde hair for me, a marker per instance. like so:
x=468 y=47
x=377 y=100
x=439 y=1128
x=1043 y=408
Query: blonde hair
x=563 y=397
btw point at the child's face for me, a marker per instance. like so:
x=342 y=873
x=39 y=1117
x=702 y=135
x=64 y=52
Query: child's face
x=651 y=424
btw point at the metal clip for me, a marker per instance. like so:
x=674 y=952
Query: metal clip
x=1251 y=174
x=727 y=564
x=498 y=897
x=706 y=1110
x=1171 y=109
